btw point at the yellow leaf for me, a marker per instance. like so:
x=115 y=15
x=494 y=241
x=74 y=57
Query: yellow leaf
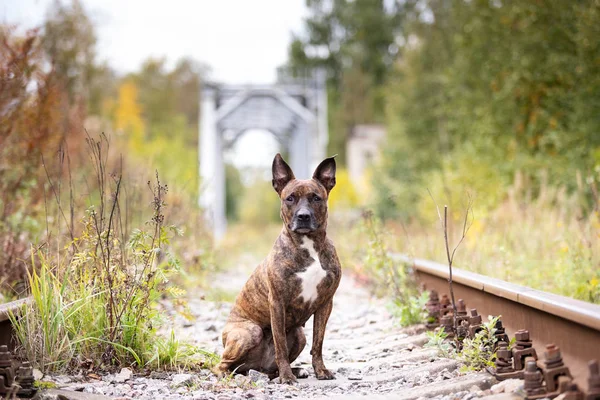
x=129 y=114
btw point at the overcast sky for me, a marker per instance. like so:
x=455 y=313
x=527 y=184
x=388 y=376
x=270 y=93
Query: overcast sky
x=243 y=41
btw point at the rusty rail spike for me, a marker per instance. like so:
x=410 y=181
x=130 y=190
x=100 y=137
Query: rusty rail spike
x=433 y=308
x=569 y=390
x=25 y=379
x=462 y=320
x=474 y=323
x=447 y=323
x=461 y=308
x=500 y=333
x=534 y=386
x=554 y=367
x=8 y=387
x=445 y=306
x=593 y=392
x=523 y=349
x=504 y=364
x=19 y=382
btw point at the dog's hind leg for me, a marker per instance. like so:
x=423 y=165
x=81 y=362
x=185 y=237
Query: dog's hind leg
x=296 y=341
x=238 y=339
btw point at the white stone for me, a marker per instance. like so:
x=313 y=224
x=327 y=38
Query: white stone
x=179 y=380
x=124 y=375
x=257 y=377
x=37 y=374
x=507 y=386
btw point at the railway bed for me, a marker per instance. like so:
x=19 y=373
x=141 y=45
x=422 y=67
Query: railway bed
x=371 y=357
x=572 y=325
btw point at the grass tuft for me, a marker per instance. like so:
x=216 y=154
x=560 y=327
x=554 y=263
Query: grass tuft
x=95 y=298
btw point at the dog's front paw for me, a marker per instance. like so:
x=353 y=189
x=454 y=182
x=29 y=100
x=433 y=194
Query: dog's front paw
x=219 y=371
x=324 y=374
x=286 y=377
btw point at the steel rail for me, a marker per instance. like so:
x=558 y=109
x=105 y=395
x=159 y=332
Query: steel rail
x=571 y=324
x=6 y=329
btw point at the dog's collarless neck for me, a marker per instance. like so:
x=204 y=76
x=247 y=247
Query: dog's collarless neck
x=298 y=238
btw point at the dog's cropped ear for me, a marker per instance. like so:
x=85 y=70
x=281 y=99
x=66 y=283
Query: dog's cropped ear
x=282 y=173
x=325 y=173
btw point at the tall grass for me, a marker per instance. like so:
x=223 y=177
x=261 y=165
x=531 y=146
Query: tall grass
x=365 y=249
x=94 y=298
x=43 y=329
x=546 y=241
x=539 y=235
x=542 y=237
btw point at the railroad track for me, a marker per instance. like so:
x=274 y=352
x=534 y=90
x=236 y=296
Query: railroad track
x=572 y=325
x=5 y=326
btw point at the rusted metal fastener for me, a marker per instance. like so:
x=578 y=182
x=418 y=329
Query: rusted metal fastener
x=5 y=357
x=462 y=330
x=504 y=364
x=25 y=379
x=552 y=354
x=524 y=348
x=461 y=307
x=445 y=305
x=461 y=315
x=522 y=335
x=7 y=374
x=593 y=392
x=554 y=367
x=447 y=323
x=569 y=389
x=433 y=310
x=533 y=381
x=500 y=333
x=474 y=323
x=434 y=297
x=504 y=359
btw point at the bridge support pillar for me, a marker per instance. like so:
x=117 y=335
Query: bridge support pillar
x=299 y=152
x=212 y=168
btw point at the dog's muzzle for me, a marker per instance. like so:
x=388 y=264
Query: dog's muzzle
x=304 y=221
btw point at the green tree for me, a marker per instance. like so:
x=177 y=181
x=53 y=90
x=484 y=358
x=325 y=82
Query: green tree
x=485 y=89
x=165 y=95
x=69 y=40
x=355 y=41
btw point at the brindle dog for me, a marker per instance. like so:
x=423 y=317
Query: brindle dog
x=297 y=280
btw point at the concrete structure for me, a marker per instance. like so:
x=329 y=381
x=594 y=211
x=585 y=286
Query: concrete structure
x=363 y=147
x=294 y=111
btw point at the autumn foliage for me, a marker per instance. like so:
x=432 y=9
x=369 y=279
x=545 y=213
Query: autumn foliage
x=30 y=121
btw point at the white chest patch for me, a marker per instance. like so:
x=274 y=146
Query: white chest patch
x=313 y=275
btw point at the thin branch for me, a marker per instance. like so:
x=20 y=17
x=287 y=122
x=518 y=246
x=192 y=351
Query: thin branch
x=57 y=198
x=450 y=255
x=465 y=227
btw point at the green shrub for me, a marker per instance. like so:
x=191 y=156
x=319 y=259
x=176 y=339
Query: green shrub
x=437 y=339
x=95 y=297
x=263 y=205
x=478 y=352
x=410 y=311
x=389 y=277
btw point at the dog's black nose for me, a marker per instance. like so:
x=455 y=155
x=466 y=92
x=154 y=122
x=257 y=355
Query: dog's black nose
x=303 y=216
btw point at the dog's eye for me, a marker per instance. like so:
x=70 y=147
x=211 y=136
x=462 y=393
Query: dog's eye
x=290 y=198
x=316 y=198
